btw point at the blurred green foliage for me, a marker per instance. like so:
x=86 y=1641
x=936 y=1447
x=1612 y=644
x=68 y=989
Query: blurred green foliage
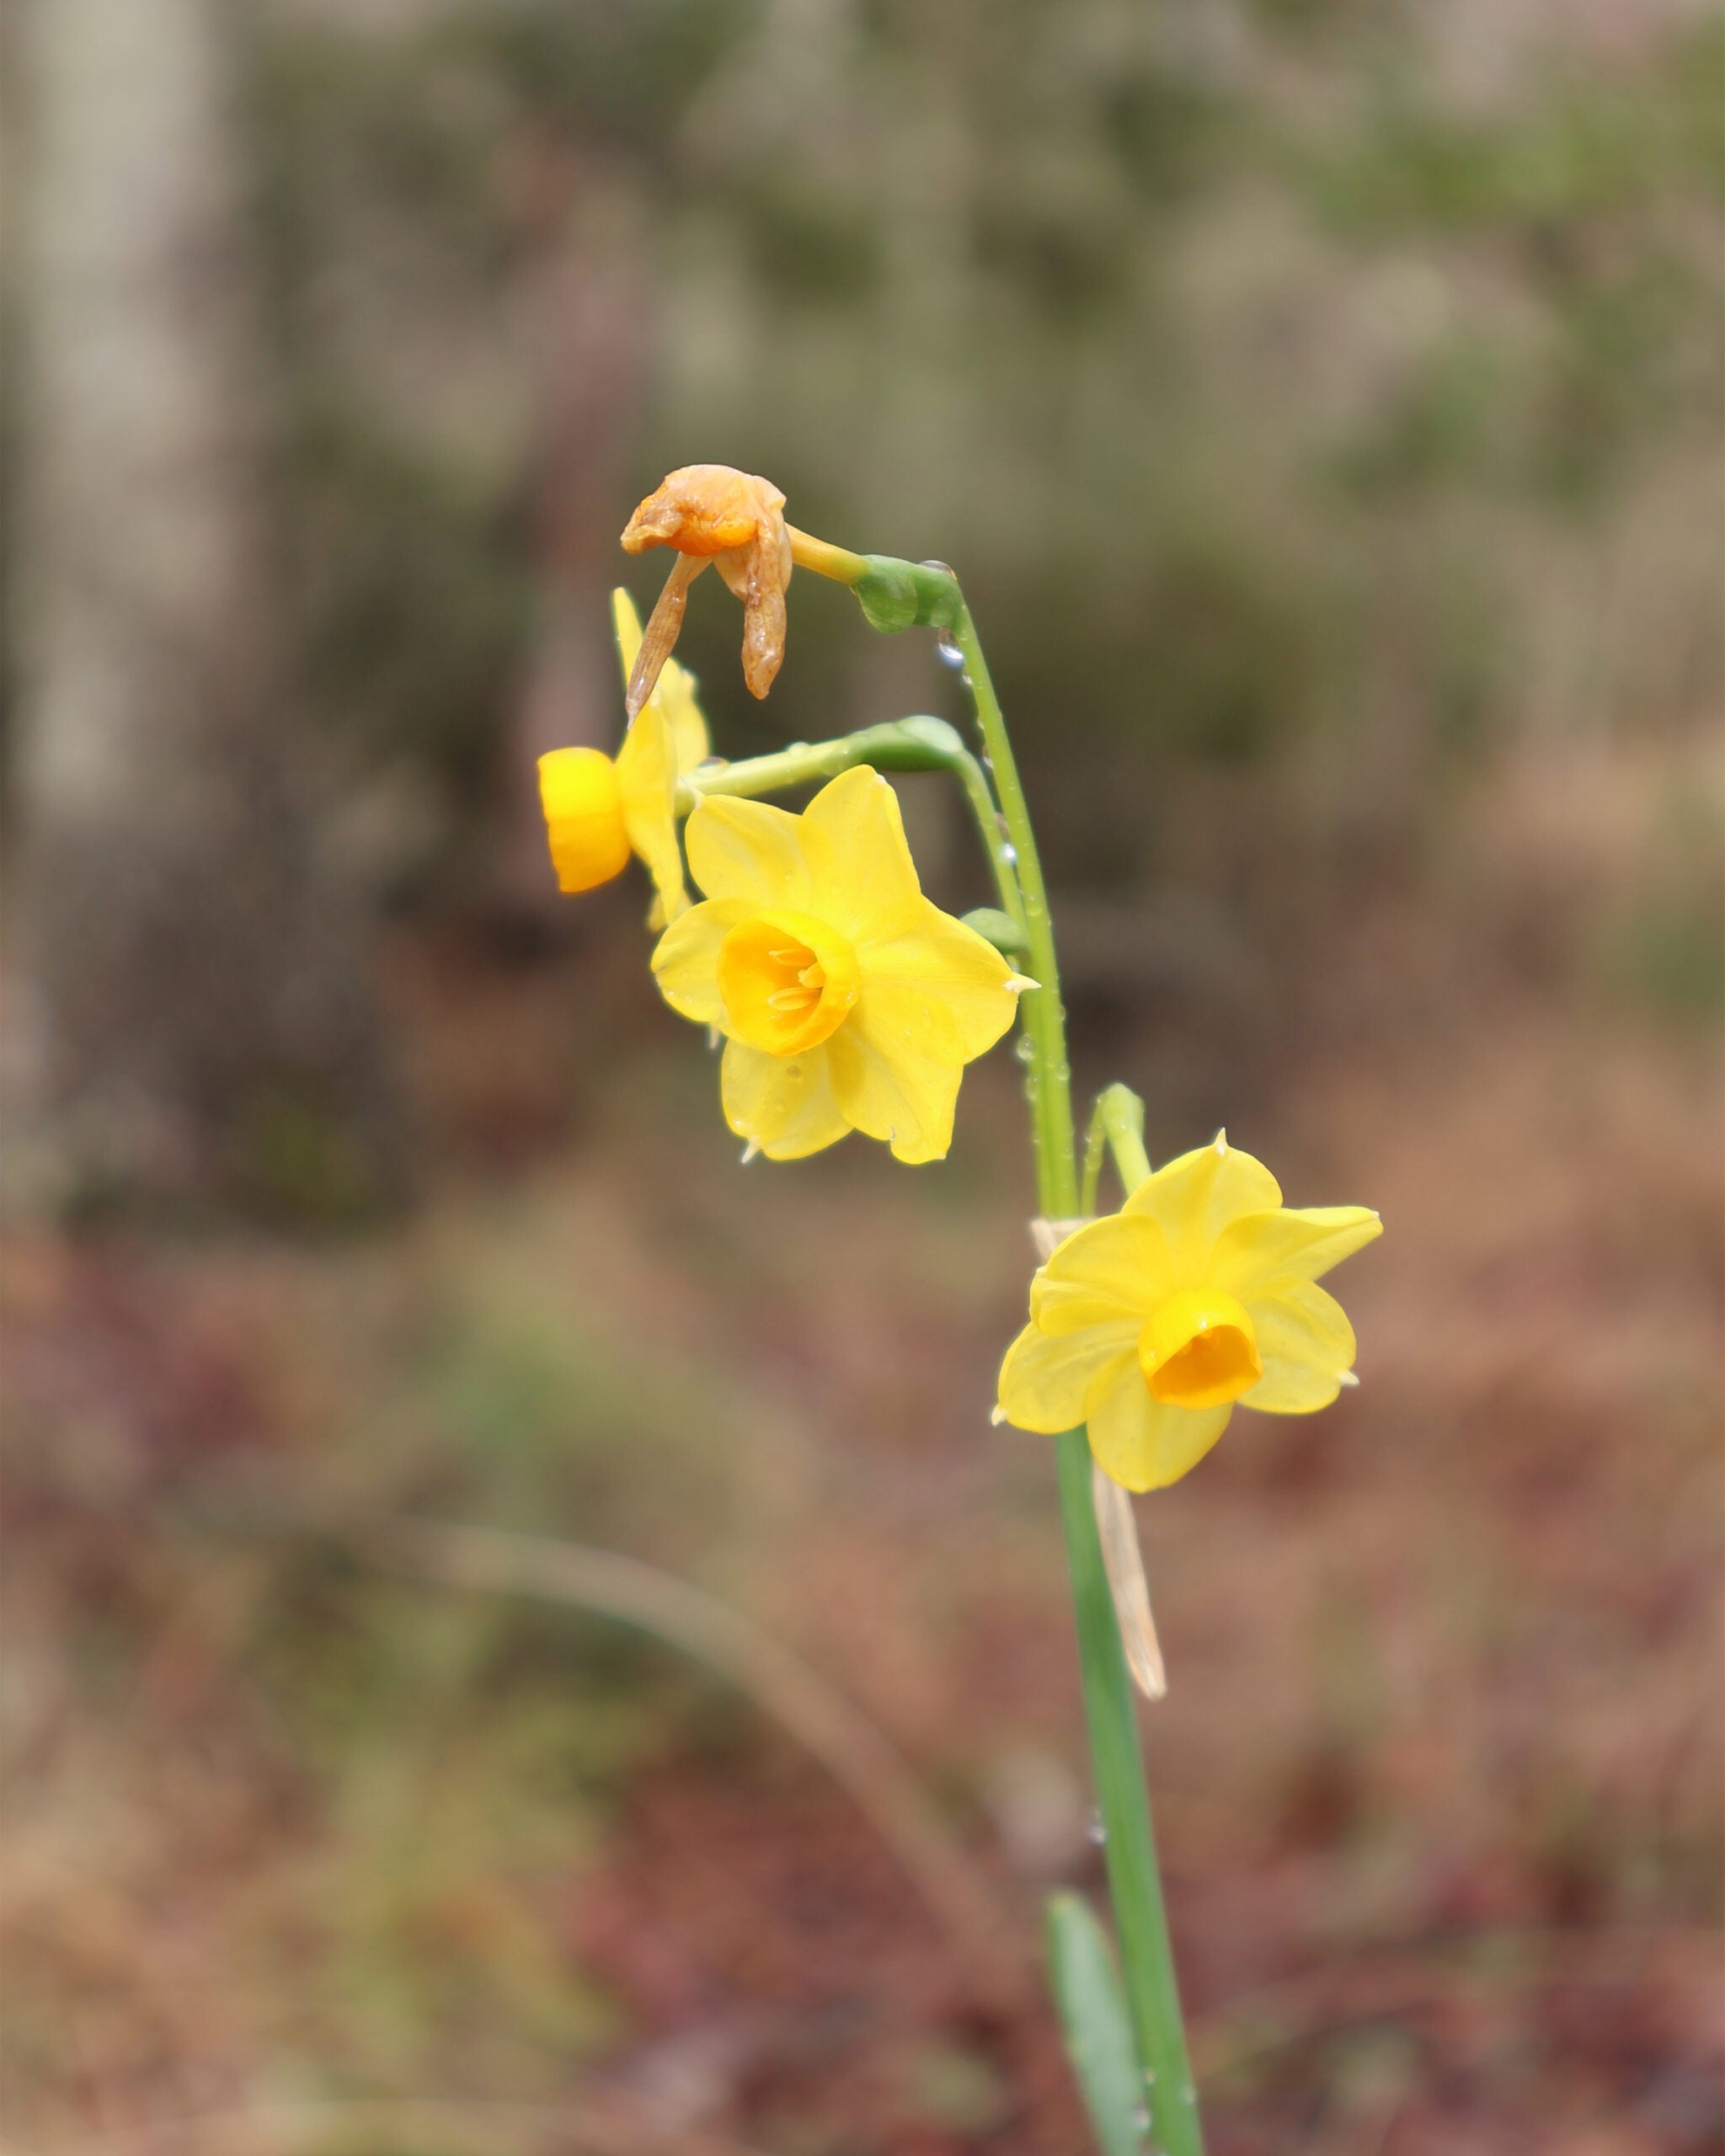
x=1255 y=368
x=431 y=1726
x=1192 y=336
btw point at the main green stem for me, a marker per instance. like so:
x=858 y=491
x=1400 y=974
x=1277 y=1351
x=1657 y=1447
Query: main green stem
x=1128 y=1845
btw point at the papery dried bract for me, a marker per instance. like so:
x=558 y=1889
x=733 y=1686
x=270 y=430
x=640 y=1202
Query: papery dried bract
x=710 y=512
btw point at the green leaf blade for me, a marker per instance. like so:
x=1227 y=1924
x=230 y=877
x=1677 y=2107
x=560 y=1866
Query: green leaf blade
x=1093 y=2021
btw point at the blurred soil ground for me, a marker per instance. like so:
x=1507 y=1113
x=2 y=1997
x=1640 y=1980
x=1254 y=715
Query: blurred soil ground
x=336 y=1859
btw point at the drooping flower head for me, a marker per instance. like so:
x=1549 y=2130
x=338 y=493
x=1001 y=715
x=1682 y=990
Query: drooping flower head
x=710 y=513
x=1151 y=1324
x=599 y=810
x=849 y=1001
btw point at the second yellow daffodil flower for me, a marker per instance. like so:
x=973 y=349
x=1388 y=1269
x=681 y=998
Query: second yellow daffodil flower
x=849 y=1001
x=599 y=810
x=1149 y=1326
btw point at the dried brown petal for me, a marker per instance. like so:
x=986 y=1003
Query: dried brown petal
x=758 y=574
x=663 y=625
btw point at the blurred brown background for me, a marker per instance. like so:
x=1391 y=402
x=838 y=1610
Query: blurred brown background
x=1321 y=400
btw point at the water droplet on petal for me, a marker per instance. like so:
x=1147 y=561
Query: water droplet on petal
x=1025 y=1047
x=1009 y=854
x=1096 y=1831
x=950 y=654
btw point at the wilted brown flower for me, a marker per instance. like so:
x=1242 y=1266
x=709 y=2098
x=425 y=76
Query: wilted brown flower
x=709 y=512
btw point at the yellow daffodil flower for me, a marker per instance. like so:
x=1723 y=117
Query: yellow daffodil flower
x=599 y=811
x=1149 y=1324
x=849 y=1001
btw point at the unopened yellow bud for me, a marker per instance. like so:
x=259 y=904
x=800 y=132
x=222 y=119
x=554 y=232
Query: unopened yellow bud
x=584 y=817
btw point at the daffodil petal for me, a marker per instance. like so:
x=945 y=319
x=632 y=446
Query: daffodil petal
x=1115 y=1267
x=683 y=715
x=944 y=959
x=1193 y=1198
x=1141 y=1442
x=1307 y=1344
x=861 y=873
x=784 y=1104
x=747 y=850
x=1264 y=1247
x=685 y=958
x=626 y=626
x=896 y=1063
x=1044 y=1377
x=647 y=781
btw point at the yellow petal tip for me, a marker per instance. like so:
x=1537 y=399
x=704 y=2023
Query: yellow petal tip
x=1348 y=1378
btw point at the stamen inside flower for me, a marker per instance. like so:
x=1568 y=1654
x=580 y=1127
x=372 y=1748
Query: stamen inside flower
x=1199 y=1349
x=787 y=980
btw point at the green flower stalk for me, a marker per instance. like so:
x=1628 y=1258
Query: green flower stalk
x=849 y=1002
x=1123 y=1801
